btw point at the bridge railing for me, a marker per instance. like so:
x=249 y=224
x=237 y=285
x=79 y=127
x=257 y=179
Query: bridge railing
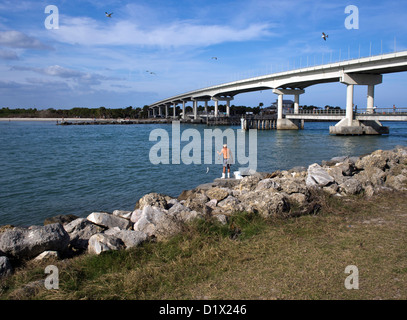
x=319 y=111
x=382 y=111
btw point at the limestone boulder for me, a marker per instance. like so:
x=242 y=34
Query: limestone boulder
x=267 y=184
x=217 y=193
x=80 y=230
x=122 y=214
x=380 y=159
x=398 y=182
x=351 y=187
x=183 y=213
x=108 y=220
x=102 y=242
x=156 y=222
x=153 y=199
x=229 y=205
x=371 y=176
x=26 y=243
x=130 y=238
x=269 y=204
x=317 y=176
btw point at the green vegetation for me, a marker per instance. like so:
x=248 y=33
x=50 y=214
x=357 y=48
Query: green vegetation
x=248 y=258
x=123 y=113
x=101 y=112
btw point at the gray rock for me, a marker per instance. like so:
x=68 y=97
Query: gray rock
x=108 y=220
x=130 y=238
x=351 y=186
x=122 y=214
x=47 y=255
x=217 y=193
x=5 y=267
x=398 y=182
x=24 y=243
x=80 y=230
x=317 y=176
x=153 y=199
x=229 y=205
x=371 y=176
x=267 y=184
x=101 y=242
x=156 y=222
x=269 y=204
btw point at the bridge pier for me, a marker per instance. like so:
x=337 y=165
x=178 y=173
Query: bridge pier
x=222 y=98
x=282 y=123
x=175 y=110
x=350 y=126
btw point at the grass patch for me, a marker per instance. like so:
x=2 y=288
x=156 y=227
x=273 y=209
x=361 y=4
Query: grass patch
x=250 y=258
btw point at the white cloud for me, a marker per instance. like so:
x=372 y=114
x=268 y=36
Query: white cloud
x=86 y=31
x=66 y=73
x=8 y=54
x=17 y=39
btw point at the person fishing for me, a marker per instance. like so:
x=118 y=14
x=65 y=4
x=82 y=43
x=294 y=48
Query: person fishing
x=227 y=159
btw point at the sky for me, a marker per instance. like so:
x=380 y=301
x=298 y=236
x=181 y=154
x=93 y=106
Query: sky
x=148 y=50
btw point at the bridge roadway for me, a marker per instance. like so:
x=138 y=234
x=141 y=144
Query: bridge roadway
x=363 y=71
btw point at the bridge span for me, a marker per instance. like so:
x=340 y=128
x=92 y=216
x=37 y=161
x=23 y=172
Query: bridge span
x=366 y=71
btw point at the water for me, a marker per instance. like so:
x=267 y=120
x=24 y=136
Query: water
x=46 y=170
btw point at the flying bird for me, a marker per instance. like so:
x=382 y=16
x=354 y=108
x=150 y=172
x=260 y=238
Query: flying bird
x=215 y=58
x=150 y=72
x=109 y=15
x=324 y=36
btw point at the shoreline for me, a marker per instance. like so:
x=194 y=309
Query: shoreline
x=157 y=217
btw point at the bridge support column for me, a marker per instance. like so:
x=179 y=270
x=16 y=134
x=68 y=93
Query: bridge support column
x=282 y=123
x=222 y=98
x=206 y=106
x=175 y=110
x=227 y=108
x=166 y=111
x=349 y=125
x=296 y=103
x=349 y=104
x=183 y=109
x=370 y=98
x=195 y=109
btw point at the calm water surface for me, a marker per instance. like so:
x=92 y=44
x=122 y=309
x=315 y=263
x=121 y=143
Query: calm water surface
x=46 y=170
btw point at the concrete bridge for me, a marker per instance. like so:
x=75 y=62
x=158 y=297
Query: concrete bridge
x=366 y=71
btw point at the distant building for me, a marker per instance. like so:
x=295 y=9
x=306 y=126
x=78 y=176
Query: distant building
x=287 y=105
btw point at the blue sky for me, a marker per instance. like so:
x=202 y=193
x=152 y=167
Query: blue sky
x=93 y=61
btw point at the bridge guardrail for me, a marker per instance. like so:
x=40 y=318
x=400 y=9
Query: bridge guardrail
x=357 y=111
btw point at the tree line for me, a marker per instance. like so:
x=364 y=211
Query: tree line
x=123 y=113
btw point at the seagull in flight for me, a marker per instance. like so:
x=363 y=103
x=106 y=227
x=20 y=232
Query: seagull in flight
x=109 y=15
x=324 y=36
x=215 y=58
x=150 y=72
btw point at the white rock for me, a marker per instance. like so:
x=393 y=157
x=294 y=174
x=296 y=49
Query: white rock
x=122 y=214
x=47 y=255
x=317 y=176
x=101 y=242
x=108 y=220
x=130 y=238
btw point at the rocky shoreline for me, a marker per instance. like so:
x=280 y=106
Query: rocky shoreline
x=156 y=216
